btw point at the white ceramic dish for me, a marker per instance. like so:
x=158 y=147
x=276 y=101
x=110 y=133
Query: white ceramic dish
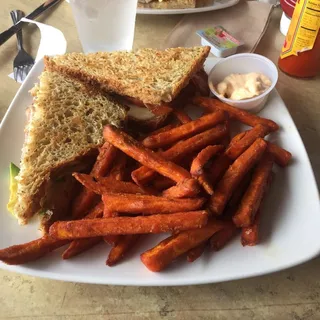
x=218 y=4
x=244 y=63
x=289 y=228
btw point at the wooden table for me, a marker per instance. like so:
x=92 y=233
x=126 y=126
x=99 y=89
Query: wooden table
x=290 y=294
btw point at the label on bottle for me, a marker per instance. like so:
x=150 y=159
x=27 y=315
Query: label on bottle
x=303 y=29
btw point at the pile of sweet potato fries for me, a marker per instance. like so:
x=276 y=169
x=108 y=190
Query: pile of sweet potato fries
x=186 y=177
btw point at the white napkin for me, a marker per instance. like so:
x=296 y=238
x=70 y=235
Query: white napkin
x=247 y=22
x=52 y=42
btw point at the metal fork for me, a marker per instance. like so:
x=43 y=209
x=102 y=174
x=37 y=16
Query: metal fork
x=23 y=62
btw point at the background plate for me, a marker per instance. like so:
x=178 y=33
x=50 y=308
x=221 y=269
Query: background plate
x=289 y=227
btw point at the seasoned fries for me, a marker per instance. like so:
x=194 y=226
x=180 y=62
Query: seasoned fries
x=78 y=246
x=181 y=116
x=196 y=252
x=27 y=252
x=138 y=203
x=184 y=131
x=198 y=163
x=250 y=235
x=86 y=199
x=159 y=223
x=187 y=177
x=186 y=189
x=281 y=156
x=234 y=174
x=157 y=258
x=124 y=244
x=107 y=184
x=243 y=116
x=146 y=157
x=244 y=140
x=143 y=175
x=251 y=200
x=222 y=237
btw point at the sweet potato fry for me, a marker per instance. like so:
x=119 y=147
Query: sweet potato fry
x=186 y=189
x=237 y=195
x=160 y=223
x=221 y=164
x=103 y=185
x=96 y=211
x=202 y=158
x=235 y=113
x=111 y=239
x=234 y=175
x=163 y=129
x=184 y=131
x=144 y=175
x=250 y=235
x=181 y=116
x=78 y=246
x=83 y=203
x=118 y=171
x=222 y=237
x=124 y=244
x=138 y=204
x=244 y=140
x=141 y=154
x=157 y=258
x=282 y=157
x=86 y=199
x=198 y=163
x=218 y=168
x=107 y=154
x=30 y=251
x=161 y=183
x=251 y=200
x=196 y=252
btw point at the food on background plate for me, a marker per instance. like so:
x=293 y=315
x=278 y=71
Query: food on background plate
x=238 y=86
x=174 y=4
x=172 y=177
x=167 y=4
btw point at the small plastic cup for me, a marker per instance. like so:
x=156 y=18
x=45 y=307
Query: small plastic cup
x=105 y=25
x=244 y=63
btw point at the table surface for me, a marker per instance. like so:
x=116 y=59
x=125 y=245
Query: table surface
x=290 y=294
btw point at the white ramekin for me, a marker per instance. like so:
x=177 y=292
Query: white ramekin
x=244 y=63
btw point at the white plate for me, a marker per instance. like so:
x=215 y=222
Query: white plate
x=217 y=5
x=289 y=228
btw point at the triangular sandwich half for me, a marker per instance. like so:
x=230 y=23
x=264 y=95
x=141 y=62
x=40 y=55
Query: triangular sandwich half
x=150 y=75
x=62 y=136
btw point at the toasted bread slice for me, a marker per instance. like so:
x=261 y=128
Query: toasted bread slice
x=169 y=4
x=62 y=135
x=150 y=75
